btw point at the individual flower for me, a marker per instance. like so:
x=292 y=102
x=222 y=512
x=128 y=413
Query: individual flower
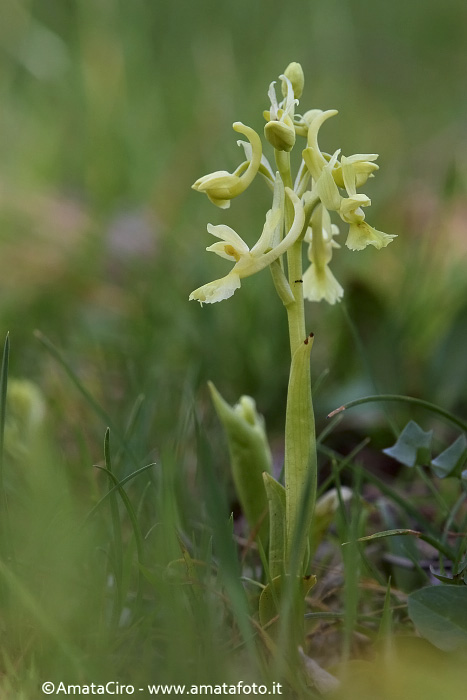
x=222 y=186
x=247 y=262
x=318 y=280
x=280 y=130
x=361 y=233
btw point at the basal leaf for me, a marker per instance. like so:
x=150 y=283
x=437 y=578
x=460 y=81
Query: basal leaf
x=440 y=615
x=451 y=461
x=413 y=446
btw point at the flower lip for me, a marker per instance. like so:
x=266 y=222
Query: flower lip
x=321 y=284
x=362 y=234
x=218 y=290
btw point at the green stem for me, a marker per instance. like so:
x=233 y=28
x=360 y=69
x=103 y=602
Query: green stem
x=295 y=311
x=300 y=440
x=300 y=457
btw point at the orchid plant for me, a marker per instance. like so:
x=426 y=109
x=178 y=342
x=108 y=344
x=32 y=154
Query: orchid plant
x=300 y=215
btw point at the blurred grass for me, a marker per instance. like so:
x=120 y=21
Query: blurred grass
x=109 y=111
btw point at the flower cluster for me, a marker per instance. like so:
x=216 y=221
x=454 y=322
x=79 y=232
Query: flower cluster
x=325 y=183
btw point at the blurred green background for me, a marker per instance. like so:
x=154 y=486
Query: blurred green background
x=110 y=110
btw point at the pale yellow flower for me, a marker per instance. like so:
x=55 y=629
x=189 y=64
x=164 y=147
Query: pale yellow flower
x=318 y=280
x=221 y=186
x=361 y=234
x=248 y=262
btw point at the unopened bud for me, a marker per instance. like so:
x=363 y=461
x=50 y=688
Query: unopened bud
x=294 y=72
x=280 y=134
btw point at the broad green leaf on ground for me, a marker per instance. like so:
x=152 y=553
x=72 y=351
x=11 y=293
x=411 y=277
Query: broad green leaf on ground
x=452 y=460
x=413 y=446
x=440 y=615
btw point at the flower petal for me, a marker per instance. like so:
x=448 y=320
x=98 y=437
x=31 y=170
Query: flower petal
x=256 y=153
x=362 y=234
x=218 y=290
x=266 y=240
x=315 y=119
x=224 y=250
x=314 y=161
x=221 y=203
x=273 y=99
x=219 y=180
x=357 y=169
x=227 y=234
x=319 y=283
x=288 y=104
x=292 y=235
x=266 y=169
x=326 y=187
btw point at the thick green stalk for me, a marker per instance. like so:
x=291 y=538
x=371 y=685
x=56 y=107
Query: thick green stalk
x=300 y=457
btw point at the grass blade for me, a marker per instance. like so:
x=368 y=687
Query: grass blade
x=4 y=539
x=85 y=393
x=450 y=417
x=117 y=546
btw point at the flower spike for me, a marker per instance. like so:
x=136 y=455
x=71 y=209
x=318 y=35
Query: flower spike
x=319 y=186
